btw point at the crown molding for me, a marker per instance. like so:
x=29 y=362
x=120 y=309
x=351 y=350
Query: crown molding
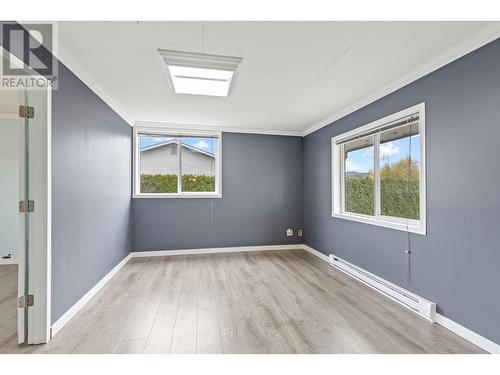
x=65 y=58
x=226 y=129
x=469 y=44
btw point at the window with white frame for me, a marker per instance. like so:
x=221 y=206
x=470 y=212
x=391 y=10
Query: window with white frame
x=177 y=163
x=378 y=172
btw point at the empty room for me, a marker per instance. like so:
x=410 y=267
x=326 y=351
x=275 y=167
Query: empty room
x=249 y=187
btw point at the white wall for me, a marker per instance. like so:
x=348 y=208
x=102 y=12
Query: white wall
x=9 y=100
x=163 y=160
x=9 y=190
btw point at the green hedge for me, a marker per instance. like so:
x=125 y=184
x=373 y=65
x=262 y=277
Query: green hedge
x=398 y=197
x=192 y=182
x=359 y=195
x=159 y=183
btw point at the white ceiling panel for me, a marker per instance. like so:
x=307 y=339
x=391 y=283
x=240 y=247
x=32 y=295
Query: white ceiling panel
x=293 y=74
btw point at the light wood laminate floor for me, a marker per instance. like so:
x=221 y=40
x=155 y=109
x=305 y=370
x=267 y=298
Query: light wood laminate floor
x=256 y=302
x=8 y=305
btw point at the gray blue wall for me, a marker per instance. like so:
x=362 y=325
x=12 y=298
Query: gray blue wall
x=91 y=190
x=271 y=183
x=262 y=192
x=457 y=263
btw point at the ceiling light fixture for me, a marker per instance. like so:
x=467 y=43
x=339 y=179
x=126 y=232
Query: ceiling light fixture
x=199 y=73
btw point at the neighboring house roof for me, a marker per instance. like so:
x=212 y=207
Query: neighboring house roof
x=172 y=141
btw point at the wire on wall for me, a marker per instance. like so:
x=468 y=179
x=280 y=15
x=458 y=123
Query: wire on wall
x=212 y=211
x=408 y=192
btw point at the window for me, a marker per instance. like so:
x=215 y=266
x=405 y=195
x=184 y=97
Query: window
x=378 y=172
x=177 y=163
x=359 y=183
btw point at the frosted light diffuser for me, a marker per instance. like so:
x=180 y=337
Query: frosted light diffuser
x=200 y=74
x=200 y=81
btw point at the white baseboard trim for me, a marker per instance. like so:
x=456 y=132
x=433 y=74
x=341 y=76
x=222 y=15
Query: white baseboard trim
x=316 y=252
x=214 y=250
x=68 y=315
x=447 y=323
x=404 y=297
x=467 y=334
x=8 y=261
x=460 y=330
x=387 y=292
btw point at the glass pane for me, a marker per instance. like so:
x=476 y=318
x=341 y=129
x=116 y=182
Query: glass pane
x=399 y=172
x=158 y=163
x=9 y=188
x=198 y=164
x=359 y=183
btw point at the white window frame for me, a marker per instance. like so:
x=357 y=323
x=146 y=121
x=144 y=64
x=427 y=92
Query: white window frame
x=172 y=131
x=338 y=193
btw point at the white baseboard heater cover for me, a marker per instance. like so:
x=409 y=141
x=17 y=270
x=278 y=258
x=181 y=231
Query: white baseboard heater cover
x=408 y=299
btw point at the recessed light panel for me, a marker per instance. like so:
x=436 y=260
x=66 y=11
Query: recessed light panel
x=200 y=74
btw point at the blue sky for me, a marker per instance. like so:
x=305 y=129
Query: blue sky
x=205 y=144
x=390 y=152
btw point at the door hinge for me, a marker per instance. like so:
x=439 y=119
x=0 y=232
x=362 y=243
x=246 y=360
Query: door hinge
x=26 y=111
x=26 y=301
x=26 y=206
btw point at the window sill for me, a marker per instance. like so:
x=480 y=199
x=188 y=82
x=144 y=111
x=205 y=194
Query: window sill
x=184 y=195
x=412 y=226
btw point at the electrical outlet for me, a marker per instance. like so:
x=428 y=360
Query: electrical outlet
x=289 y=232
x=300 y=232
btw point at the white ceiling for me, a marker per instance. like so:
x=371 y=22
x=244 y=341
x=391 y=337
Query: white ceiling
x=294 y=75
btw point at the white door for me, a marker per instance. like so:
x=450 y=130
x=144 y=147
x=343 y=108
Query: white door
x=34 y=218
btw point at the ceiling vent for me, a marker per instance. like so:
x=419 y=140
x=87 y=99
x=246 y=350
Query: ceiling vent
x=199 y=73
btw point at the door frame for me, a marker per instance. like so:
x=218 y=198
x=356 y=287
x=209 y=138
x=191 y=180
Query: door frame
x=39 y=316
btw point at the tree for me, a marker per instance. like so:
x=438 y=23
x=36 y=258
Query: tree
x=404 y=170
x=399 y=191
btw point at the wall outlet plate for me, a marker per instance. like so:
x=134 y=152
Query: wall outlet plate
x=300 y=232
x=289 y=232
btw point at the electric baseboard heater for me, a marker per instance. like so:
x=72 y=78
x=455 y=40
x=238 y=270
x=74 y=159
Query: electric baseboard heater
x=408 y=299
